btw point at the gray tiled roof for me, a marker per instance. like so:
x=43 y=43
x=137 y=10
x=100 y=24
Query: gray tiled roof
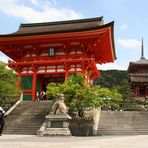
x=57 y=27
x=141 y=61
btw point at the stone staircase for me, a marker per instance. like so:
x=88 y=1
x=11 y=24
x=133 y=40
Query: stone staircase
x=26 y=118
x=123 y=123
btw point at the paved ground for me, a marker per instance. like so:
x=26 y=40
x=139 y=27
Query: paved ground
x=31 y=141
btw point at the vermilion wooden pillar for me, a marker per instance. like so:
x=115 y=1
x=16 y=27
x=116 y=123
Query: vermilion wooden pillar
x=34 y=85
x=66 y=75
x=19 y=81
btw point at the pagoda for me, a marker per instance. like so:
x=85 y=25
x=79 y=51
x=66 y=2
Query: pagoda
x=138 y=76
x=49 y=52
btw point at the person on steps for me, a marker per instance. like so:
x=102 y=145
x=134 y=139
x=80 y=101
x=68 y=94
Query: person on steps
x=2 y=121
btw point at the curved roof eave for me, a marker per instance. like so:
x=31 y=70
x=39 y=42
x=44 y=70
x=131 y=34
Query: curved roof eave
x=62 y=22
x=12 y=35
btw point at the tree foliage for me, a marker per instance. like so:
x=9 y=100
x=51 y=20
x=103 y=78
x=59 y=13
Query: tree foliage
x=8 y=89
x=111 y=78
x=8 y=81
x=79 y=95
x=116 y=79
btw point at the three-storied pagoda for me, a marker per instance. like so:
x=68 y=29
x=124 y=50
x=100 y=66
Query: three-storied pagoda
x=138 y=76
x=49 y=52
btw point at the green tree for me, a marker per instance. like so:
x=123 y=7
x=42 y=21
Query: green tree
x=79 y=95
x=125 y=90
x=117 y=80
x=8 y=81
x=111 y=78
x=112 y=99
x=128 y=102
x=8 y=89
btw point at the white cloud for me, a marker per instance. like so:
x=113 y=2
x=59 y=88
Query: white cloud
x=42 y=3
x=35 y=2
x=41 y=11
x=110 y=66
x=129 y=43
x=123 y=27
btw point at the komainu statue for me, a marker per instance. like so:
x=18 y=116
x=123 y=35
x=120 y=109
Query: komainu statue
x=57 y=121
x=59 y=106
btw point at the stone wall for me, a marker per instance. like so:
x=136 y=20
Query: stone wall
x=123 y=123
x=113 y=123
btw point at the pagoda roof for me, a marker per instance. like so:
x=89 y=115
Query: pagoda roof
x=142 y=61
x=139 y=79
x=57 y=27
x=140 y=64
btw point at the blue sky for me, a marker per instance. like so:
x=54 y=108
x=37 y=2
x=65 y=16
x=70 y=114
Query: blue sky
x=130 y=16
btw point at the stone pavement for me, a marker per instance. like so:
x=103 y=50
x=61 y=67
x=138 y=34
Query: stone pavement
x=32 y=141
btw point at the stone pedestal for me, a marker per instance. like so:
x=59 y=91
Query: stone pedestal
x=55 y=125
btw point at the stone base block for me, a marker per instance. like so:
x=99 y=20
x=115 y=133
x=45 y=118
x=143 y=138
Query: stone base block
x=57 y=132
x=57 y=125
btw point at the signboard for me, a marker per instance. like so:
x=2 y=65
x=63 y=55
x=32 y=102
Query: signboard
x=51 y=52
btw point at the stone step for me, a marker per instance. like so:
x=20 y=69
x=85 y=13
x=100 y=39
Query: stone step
x=12 y=131
x=21 y=132
x=123 y=132
x=27 y=117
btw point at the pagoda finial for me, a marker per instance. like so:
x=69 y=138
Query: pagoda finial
x=142 y=50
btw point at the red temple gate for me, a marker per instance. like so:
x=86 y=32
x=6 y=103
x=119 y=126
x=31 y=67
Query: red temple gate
x=49 y=52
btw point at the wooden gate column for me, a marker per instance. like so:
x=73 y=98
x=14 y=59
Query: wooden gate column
x=66 y=75
x=34 y=85
x=19 y=81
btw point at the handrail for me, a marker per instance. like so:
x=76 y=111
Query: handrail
x=14 y=106
x=11 y=100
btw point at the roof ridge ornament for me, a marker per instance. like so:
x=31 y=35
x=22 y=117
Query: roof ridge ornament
x=142 y=50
